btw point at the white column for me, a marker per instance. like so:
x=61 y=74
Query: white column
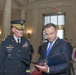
x=23 y=13
x=6 y=18
x=23 y=17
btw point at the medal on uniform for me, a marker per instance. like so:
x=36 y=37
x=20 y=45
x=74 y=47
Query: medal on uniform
x=25 y=44
x=9 y=56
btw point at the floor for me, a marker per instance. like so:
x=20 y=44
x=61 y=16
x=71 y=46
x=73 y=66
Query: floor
x=32 y=68
x=74 y=65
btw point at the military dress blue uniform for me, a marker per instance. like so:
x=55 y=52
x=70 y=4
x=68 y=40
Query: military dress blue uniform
x=10 y=51
x=10 y=61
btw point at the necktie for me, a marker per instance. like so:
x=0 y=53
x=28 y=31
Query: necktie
x=48 y=50
x=18 y=41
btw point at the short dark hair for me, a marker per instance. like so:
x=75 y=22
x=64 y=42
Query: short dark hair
x=66 y=39
x=12 y=27
x=49 y=25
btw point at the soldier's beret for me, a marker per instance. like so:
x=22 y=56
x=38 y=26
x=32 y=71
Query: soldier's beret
x=19 y=24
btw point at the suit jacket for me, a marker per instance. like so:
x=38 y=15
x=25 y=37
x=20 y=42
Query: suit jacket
x=31 y=51
x=58 y=47
x=10 y=62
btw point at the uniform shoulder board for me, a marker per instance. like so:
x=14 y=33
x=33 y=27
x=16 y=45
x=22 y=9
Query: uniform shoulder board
x=4 y=39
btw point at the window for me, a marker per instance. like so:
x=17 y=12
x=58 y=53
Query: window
x=57 y=19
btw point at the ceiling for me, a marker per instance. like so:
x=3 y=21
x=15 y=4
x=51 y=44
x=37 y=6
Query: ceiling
x=15 y=3
x=2 y=2
x=24 y=3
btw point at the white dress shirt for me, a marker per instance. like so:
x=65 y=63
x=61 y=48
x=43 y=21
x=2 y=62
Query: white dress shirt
x=16 y=39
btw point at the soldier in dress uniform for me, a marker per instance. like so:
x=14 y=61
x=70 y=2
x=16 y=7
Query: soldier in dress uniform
x=11 y=49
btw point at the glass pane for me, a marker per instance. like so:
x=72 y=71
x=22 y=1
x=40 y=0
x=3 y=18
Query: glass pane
x=54 y=19
x=46 y=20
x=44 y=36
x=60 y=19
x=60 y=34
x=57 y=19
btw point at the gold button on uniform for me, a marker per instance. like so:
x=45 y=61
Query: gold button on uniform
x=9 y=51
x=19 y=65
x=19 y=60
x=19 y=50
x=4 y=71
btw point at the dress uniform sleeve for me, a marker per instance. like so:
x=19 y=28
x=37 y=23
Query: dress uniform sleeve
x=2 y=58
x=28 y=57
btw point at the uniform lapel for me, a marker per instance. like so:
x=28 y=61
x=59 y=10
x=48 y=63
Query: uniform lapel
x=13 y=41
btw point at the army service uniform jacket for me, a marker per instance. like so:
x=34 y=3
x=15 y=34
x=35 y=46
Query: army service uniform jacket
x=10 y=52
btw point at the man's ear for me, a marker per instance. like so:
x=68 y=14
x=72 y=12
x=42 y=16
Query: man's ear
x=13 y=29
x=57 y=31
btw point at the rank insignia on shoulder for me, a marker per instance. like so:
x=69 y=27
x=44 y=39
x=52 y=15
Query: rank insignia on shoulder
x=12 y=40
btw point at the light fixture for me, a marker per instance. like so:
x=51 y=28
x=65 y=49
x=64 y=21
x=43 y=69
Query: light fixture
x=0 y=32
x=29 y=33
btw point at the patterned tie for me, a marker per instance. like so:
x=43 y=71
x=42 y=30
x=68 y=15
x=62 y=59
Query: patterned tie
x=48 y=49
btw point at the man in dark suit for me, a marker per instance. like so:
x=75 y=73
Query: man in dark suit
x=11 y=49
x=40 y=47
x=31 y=51
x=58 y=46
x=71 y=62
x=31 y=48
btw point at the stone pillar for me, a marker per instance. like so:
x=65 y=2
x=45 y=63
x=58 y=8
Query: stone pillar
x=6 y=18
x=23 y=17
x=23 y=12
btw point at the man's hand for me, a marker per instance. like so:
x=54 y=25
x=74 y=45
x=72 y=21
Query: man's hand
x=42 y=68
